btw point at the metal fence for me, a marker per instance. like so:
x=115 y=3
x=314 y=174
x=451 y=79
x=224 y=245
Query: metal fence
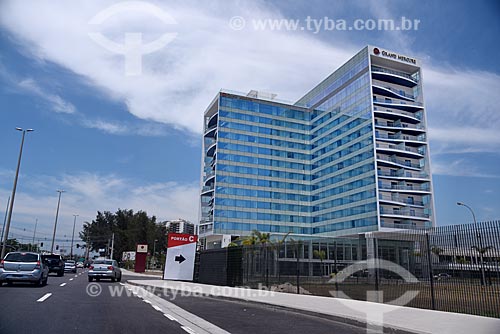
x=450 y=268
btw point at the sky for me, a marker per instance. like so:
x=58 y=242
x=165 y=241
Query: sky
x=115 y=92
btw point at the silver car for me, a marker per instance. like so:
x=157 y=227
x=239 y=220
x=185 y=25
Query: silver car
x=23 y=267
x=70 y=265
x=105 y=269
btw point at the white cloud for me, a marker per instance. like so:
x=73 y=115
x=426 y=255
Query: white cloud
x=56 y=103
x=87 y=193
x=459 y=167
x=179 y=80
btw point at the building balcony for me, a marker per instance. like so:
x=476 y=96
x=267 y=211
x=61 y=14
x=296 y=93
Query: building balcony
x=400 y=105
x=391 y=92
x=398 y=200
x=401 y=150
x=404 y=188
x=392 y=76
x=404 y=213
x=213 y=120
x=211 y=150
x=207 y=190
x=209 y=179
x=398 y=162
x=398 y=114
x=401 y=137
x=397 y=126
x=407 y=225
x=211 y=132
x=403 y=174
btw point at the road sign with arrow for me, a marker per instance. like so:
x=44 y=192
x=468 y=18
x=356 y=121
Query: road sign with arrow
x=179 y=263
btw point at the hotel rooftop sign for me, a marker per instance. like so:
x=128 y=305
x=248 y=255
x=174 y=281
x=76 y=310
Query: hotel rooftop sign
x=393 y=56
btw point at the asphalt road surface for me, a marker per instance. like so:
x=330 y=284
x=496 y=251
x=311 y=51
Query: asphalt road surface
x=65 y=306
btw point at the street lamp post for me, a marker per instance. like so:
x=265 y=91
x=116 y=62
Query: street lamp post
x=73 y=236
x=483 y=276
x=11 y=204
x=34 y=233
x=55 y=223
x=154 y=254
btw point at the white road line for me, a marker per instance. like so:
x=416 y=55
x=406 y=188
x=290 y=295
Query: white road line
x=62 y=284
x=47 y=295
x=71 y=279
x=76 y=275
x=146 y=301
x=157 y=308
x=122 y=284
x=189 y=330
x=170 y=317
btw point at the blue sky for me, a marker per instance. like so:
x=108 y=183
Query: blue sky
x=114 y=140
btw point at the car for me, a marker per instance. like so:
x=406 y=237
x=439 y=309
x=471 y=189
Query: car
x=104 y=269
x=70 y=265
x=79 y=264
x=55 y=263
x=442 y=276
x=23 y=267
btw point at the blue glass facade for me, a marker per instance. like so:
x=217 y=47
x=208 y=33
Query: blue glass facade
x=308 y=168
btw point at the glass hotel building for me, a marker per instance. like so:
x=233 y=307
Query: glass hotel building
x=349 y=157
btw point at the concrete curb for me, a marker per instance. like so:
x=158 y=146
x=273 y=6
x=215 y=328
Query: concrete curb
x=395 y=319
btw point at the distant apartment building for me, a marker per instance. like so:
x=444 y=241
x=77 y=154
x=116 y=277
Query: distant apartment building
x=350 y=157
x=181 y=226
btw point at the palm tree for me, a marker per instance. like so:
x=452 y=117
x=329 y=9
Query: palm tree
x=482 y=251
x=321 y=255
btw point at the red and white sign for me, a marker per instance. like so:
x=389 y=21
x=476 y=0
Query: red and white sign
x=181 y=250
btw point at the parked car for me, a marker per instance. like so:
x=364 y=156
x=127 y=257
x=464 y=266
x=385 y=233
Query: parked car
x=23 y=267
x=55 y=263
x=70 y=265
x=79 y=264
x=442 y=276
x=104 y=269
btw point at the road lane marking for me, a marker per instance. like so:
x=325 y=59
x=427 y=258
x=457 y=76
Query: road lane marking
x=146 y=301
x=62 y=284
x=189 y=320
x=157 y=308
x=76 y=275
x=170 y=317
x=122 y=284
x=71 y=279
x=189 y=330
x=47 y=295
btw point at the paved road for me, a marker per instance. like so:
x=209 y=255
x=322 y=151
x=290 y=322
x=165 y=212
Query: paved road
x=69 y=308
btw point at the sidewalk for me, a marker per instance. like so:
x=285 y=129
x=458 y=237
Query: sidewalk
x=150 y=274
x=350 y=311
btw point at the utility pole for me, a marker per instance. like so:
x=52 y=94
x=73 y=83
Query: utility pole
x=11 y=204
x=55 y=223
x=73 y=237
x=34 y=232
x=112 y=245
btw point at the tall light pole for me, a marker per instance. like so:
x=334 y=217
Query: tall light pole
x=73 y=236
x=483 y=276
x=154 y=253
x=55 y=223
x=11 y=204
x=34 y=233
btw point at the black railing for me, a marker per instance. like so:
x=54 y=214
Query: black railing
x=450 y=268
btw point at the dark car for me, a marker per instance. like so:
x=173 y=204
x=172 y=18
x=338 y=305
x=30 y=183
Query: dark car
x=55 y=263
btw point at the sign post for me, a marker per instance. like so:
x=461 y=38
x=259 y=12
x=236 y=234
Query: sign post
x=181 y=251
x=140 y=258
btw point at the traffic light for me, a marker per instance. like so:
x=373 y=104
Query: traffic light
x=77 y=245
x=57 y=247
x=41 y=244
